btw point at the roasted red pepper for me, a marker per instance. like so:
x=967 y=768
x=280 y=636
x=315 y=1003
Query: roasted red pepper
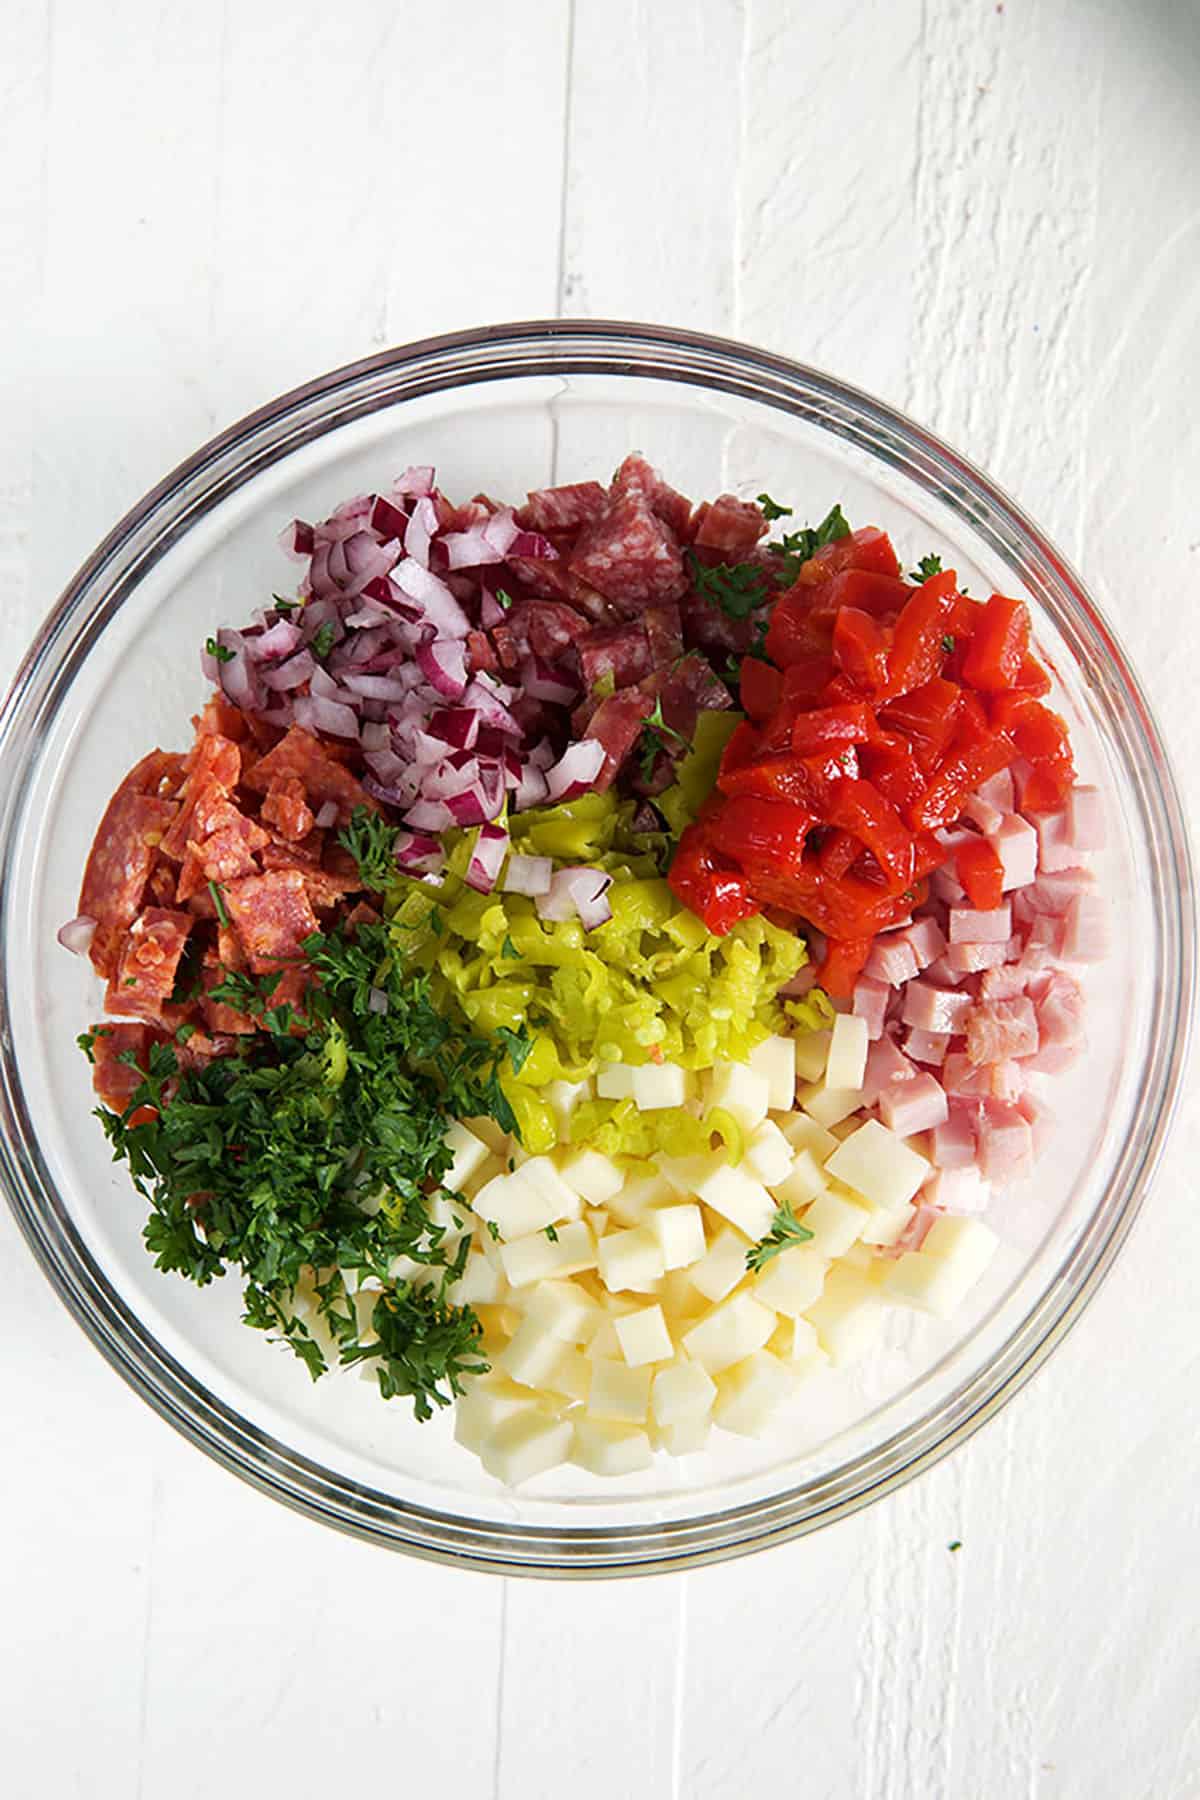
x=981 y=873
x=719 y=895
x=998 y=645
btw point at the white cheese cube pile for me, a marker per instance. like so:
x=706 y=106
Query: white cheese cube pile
x=627 y=1310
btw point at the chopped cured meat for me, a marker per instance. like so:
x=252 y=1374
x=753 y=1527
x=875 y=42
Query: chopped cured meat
x=620 y=651
x=566 y=508
x=893 y=961
x=729 y=525
x=1085 y=819
x=918 y=1104
x=932 y=1008
x=322 y=776
x=481 y=653
x=663 y=626
x=148 y=963
x=1015 y=842
x=970 y=959
x=115 y=1079
x=214 y=769
x=630 y=555
x=1055 y=849
x=999 y=1029
x=1005 y=1142
x=229 y=844
x=886 y=1065
x=287 y=809
x=272 y=916
x=970 y=927
x=965 y=1080
x=220 y=718
x=1054 y=893
x=1085 y=929
x=617 y=724
x=870 y=1003
x=961 y=1190
x=926 y=1046
x=954 y=1141
x=125 y=849
x=219 y=1015
x=636 y=476
x=925 y=939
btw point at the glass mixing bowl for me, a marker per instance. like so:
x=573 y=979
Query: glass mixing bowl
x=115 y=671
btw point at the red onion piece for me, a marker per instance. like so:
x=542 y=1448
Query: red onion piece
x=444 y=666
x=327 y=816
x=484 y=695
x=387 y=520
x=375 y=687
x=487 y=858
x=296 y=540
x=542 y=681
x=235 y=672
x=77 y=934
x=491 y=613
x=487 y=542
x=528 y=875
x=291 y=674
x=454 y=725
x=542 y=755
x=277 y=641
x=534 y=545
x=422 y=529
x=577 y=893
x=417 y=480
x=437 y=603
x=531 y=790
x=576 y=770
x=418 y=854
x=375 y=736
x=428 y=815
x=326 y=715
x=344 y=520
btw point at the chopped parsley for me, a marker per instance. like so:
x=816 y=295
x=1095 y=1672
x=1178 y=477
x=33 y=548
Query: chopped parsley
x=219 y=651
x=948 y=643
x=771 y=509
x=218 y=900
x=322 y=641
x=551 y=1233
x=785 y=1231
x=508 y=948
x=283 y=606
x=503 y=598
x=926 y=569
x=796 y=547
x=955 y=1545
x=371 y=841
x=737 y=588
x=310 y=1162
x=518 y=1044
x=657 y=737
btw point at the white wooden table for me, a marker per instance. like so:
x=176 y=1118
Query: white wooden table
x=986 y=214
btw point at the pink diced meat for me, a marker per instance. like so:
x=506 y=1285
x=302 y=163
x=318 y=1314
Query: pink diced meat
x=1055 y=849
x=1054 y=893
x=1052 y=1059
x=1047 y=932
x=961 y=1190
x=965 y=1080
x=926 y=1046
x=1085 y=818
x=970 y=927
x=943 y=975
x=1060 y=1011
x=925 y=939
x=915 y=1104
x=1085 y=929
x=982 y=813
x=954 y=1141
x=1041 y=1120
x=870 y=1003
x=1005 y=1142
x=969 y=959
x=886 y=1065
x=1015 y=842
x=946 y=887
x=1000 y=1029
x=892 y=961
x=998 y=791
x=932 y=1008
x=916 y=1231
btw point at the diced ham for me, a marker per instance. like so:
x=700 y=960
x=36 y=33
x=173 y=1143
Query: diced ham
x=943 y=974
x=1055 y=849
x=982 y=813
x=959 y=1190
x=926 y=1046
x=1041 y=1120
x=954 y=1141
x=965 y=1080
x=1003 y=983
x=946 y=887
x=1060 y=1012
x=1085 y=929
x=932 y=1008
x=1015 y=842
x=1000 y=1029
x=917 y=1103
x=886 y=1066
x=1085 y=818
x=998 y=791
x=970 y=959
x=892 y=961
x=1047 y=932
x=917 y=1230
x=1005 y=1143
x=1054 y=893
x=1052 y=1059
x=970 y=927
x=870 y=1003
x=925 y=939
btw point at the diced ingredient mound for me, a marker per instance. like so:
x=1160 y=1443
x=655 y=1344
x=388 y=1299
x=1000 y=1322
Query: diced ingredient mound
x=597 y=960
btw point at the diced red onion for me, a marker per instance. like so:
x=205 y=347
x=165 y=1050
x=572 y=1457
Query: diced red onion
x=387 y=520
x=377 y=1000
x=454 y=725
x=577 y=893
x=491 y=613
x=235 y=672
x=322 y=686
x=576 y=770
x=541 y=681
x=470 y=549
x=428 y=815
x=444 y=666
x=278 y=641
x=531 y=790
x=534 y=545
x=375 y=736
x=376 y=687
x=387 y=767
x=528 y=875
x=542 y=755
x=290 y=674
x=438 y=604
x=326 y=816
x=483 y=694
x=77 y=934
x=487 y=858
x=210 y=666
x=422 y=529
x=326 y=715
x=296 y=540
x=344 y=520
x=417 y=480
x=418 y=854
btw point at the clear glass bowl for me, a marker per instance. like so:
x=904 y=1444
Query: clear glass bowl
x=115 y=671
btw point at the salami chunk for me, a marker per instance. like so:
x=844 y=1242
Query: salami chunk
x=630 y=555
x=286 y=808
x=214 y=768
x=114 y=882
x=556 y=509
x=729 y=525
x=619 y=651
x=636 y=476
x=272 y=916
x=148 y=963
x=664 y=633
x=321 y=775
x=114 y=1079
x=221 y=719
x=617 y=724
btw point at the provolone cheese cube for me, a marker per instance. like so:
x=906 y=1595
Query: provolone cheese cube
x=530 y=1354
x=775 y=1060
x=804 y=1180
x=656 y=1085
x=525 y=1445
x=835 y=1223
x=543 y=1174
x=487 y=1403
x=792 y=1281
x=541 y=1258
x=968 y=1242
x=687 y=1438
x=514 y=1206
x=742 y=1091
x=884 y=1228
x=570 y=1375
x=629 y=1259
x=594 y=1177
x=795 y=1343
x=481 y=1283
x=803 y=1133
x=681 y=1301
x=768 y=1155
x=487 y=1129
x=597 y=1218
x=564 y=1311
x=750 y=1393
x=736 y=1328
x=684 y=1391
x=738 y=1198
x=847 y=1060
x=848 y=1316
x=614 y=1081
x=938 y=1277
x=879 y=1165
x=451 y=1216
x=605 y=1345
x=643 y=1336
x=722 y=1266
x=469 y=1153
x=679 y=1233
x=812 y=1050
x=606 y=1448
x=631 y=1204
x=562 y=1097
x=829 y=1106
x=619 y=1392
x=683 y=1173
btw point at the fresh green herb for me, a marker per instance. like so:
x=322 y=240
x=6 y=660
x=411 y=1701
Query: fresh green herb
x=219 y=651
x=87 y=1040
x=283 y=606
x=504 y=598
x=551 y=1233
x=956 y=1545
x=129 y=981
x=948 y=643
x=785 y=1231
x=927 y=568
x=737 y=588
x=493 y=1230
x=371 y=841
x=518 y=1044
x=322 y=641
x=657 y=737
x=184 y=1032
x=310 y=1162
x=218 y=900
x=796 y=547
x=508 y=948
x=771 y=509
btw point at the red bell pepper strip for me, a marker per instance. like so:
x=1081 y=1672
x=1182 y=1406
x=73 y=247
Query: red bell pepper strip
x=717 y=894
x=999 y=645
x=922 y=641
x=868 y=548
x=860 y=649
x=859 y=808
x=926 y=717
x=760 y=687
x=761 y=834
x=981 y=873
x=842 y=964
x=831 y=727
x=890 y=763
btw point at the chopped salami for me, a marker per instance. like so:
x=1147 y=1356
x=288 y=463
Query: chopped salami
x=221 y=719
x=630 y=554
x=148 y=963
x=214 y=769
x=114 y=882
x=636 y=476
x=286 y=808
x=272 y=916
x=617 y=724
x=620 y=651
x=729 y=525
x=322 y=776
x=114 y=1079
x=663 y=626
x=555 y=509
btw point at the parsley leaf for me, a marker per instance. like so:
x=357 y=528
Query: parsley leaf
x=771 y=509
x=218 y=900
x=518 y=1043
x=796 y=547
x=508 y=948
x=283 y=606
x=786 y=1230
x=737 y=588
x=927 y=568
x=503 y=598
x=322 y=641
x=657 y=737
x=371 y=841
x=219 y=651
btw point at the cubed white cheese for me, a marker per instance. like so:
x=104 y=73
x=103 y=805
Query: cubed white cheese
x=722 y=1266
x=544 y=1175
x=804 y=1180
x=487 y=1402
x=597 y=1218
x=835 y=1223
x=847 y=1061
x=529 y=1355
x=812 y=1049
x=879 y=1165
x=738 y=1198
x=643 y=1336
x=792 y=1281
x=795 y=1342
x=525 y=1445
x=736 y=1328
x=595 y=1178
x=570 y=1375
x=629 y=1259
x=684 y=1173
x=656 y=1085
x=803 y=1133
x=884 y=1228
x=969 y=1242
x=514 y=1205
x=632 y=1204
x=750 y=1393
x=562 y=1097
x=848 y=1316
x=684 y=1391
x=829 y=1106
x=687 y=1437
x=775 y=1060
x=481 y=1283
x=604 y=1447
x=468 y=1151
x=564 y=1311
x=768 y=1156
x=742 y=1091
x=938 y=1277
x=680 y=1299
x=679 y=1233
x=605 y=1345
x=614 y=1081
x=619 y=1392
x=540 y=1258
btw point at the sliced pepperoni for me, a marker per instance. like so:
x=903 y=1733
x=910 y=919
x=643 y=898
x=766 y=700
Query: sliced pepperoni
x=124 y=852
x=214 y=768
x=323 y=778
x=272 y=915
x=115 y=1080
x=286 y=808
x=149 y=959
x=221 y=719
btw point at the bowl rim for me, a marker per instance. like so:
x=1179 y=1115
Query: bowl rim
x=463 y=359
